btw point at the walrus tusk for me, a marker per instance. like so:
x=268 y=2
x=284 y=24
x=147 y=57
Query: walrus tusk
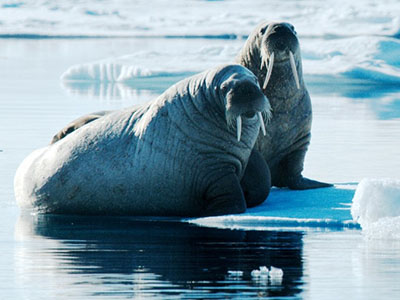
x=239 y=127
x=294 y=69
x=262 y=125
x=269 y=69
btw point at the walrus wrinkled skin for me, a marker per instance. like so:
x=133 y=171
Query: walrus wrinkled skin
x=255 y=183
x=272 y=53
x=183 y=154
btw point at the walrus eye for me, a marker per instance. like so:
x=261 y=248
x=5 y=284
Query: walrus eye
x=294 y=69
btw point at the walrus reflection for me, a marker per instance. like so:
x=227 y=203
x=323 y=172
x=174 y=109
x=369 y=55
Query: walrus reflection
x=183 y=254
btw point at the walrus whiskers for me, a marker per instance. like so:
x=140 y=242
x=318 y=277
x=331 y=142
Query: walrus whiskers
x=269 y=69
x=239 y=127
x=294 y=69
x=262 y=125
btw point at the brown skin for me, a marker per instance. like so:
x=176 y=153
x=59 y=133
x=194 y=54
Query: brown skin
x=289 y=131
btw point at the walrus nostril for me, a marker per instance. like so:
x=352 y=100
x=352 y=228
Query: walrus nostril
x=281 y=45
x=249 y=114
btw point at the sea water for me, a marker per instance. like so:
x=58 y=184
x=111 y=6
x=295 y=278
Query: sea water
x=351 y=63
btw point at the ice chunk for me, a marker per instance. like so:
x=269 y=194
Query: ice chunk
x=276 y=276
x=262 y=275
x=264 y=270
x=261 y=272
x=255 y=273
x=235 y=273
x=376 y=207
x=275 y=272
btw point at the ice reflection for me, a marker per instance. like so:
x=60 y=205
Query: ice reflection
x=362 y=268
x=106 y=91
x=126 y=257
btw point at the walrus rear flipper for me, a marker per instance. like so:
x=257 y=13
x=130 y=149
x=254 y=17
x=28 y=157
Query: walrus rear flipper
x=256 y=181
x=292 y=178
x=302 y=183
x=76 y=124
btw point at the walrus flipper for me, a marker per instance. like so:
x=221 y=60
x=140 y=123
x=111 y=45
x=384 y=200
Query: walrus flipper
x=225 y=196
x=302 y=183
x=78 y=123
x=293 y=167
x=256 y=181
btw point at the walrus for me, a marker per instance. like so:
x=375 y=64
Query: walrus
x=78 y=123
x=272 y=53
x=182 y=154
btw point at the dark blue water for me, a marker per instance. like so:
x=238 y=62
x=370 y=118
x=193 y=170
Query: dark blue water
x=162 y=259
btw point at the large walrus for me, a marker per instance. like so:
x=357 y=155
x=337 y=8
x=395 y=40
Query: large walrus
x=272 y=53
x=183 y=154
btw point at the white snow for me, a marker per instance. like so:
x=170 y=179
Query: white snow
x=340 y=41
x=160 y=18
x=345 y=39
x=376 y=207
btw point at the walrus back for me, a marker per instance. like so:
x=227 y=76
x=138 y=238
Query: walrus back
x=105 y=168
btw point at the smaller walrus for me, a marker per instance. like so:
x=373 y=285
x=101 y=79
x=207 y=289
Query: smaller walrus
x=183 y=154
x=78 y=123
x=272 y=53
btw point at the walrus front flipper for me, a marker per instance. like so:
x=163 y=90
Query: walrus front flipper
x=76 y=124
x=256 y=181
x=302 y=183
x=225 y=196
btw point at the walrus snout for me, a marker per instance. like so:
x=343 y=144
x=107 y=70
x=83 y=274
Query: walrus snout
x=281 y=39
x=280 y=44
x=246 y=100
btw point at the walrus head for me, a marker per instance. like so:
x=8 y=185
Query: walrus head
x=279 y=44
x=244 y=99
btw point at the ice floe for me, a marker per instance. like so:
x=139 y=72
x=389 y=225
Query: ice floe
x=376 y=207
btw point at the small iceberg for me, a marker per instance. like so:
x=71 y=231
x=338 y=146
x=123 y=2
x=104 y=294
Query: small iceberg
x=275 y=275
x=261 y=272
x=376 y=207
x=236 y=274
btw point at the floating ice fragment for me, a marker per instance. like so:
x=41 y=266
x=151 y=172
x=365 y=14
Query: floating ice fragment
x=255 y=273
x=235 y=273
x=275 y=272
x=264 y=270
x=261 y=272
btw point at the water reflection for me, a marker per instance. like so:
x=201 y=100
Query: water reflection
x=133 y=257
x=383 y=101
